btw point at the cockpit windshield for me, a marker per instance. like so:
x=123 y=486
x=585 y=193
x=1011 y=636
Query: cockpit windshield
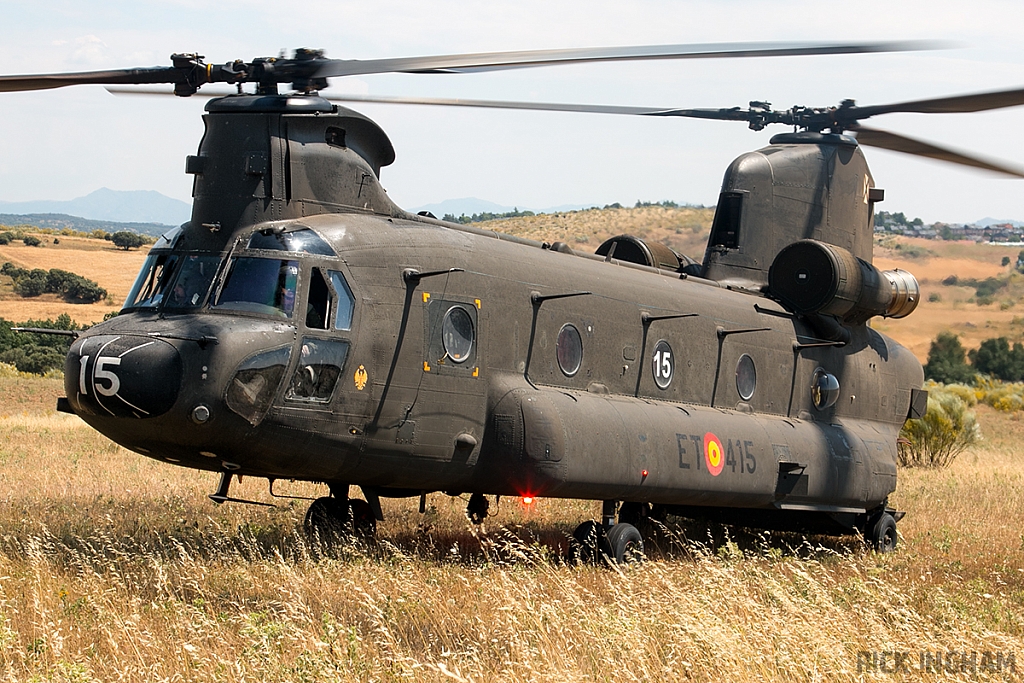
x=173 y=280
x=153 y=281
x=195 y=274
x=259 y=285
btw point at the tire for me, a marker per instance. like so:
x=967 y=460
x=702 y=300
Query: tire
x=883 y=537
x=364 y=524
x=326 y=523
x=589 y=544
x=626 y=544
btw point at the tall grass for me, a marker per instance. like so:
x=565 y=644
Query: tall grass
x=116 y=567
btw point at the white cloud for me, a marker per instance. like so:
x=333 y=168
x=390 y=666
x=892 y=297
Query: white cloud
x=88 y=50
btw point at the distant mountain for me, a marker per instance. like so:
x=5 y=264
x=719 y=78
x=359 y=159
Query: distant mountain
x=471 y=205
x=59 y=221
x=985 y=222
x=131 y=206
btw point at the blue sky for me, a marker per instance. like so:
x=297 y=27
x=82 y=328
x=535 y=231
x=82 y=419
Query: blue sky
x=65 y=143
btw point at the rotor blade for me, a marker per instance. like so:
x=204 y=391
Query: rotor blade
x=191 y=72
x=155 y=74
x=494 y=61
x=899 y=143
x=735 y=114
x=957 y=104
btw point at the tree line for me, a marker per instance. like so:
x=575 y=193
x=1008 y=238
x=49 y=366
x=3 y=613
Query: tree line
x=36 y=353
x=71 y=287
x=123 y=239
x=949 y=363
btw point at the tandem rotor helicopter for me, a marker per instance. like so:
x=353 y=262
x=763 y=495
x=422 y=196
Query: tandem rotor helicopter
x=301 y=326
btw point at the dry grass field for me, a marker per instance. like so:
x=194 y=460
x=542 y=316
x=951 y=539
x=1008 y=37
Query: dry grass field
x=685 y=229
x=114 y=269
x=116 y=567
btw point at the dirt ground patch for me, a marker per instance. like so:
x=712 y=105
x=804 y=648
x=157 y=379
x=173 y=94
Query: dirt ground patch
x=114 y=269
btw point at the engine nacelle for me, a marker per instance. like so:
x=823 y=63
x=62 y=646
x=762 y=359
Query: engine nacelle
x=813 y=277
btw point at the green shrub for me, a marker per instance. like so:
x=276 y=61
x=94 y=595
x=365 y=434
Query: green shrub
x=1005 y=396
x=33 y=359
x=947 y=360
x=31 y=284
x=968 y=395
x=12 y=271
x=997 y=358
x=947 y=429
x=73 y=288
x=128 y=240
x=31 y=241
x=36 y=353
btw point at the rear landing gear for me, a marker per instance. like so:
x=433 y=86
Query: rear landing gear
x=626 y=544
x=589 y=544
x=621 y=543
x=881 y=533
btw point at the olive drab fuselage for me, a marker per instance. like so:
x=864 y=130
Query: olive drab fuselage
x=301 y=326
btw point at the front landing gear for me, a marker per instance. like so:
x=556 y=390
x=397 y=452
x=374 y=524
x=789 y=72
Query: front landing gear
x=326 y=523
x=334 y=520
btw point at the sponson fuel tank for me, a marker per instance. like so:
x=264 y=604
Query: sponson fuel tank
x=802 y=186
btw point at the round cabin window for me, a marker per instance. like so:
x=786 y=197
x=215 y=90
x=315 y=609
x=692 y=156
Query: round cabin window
x=457 y=334
x=569 y=350
x=746 y=377
x=664 y=364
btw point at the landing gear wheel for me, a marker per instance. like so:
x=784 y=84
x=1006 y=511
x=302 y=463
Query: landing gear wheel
x=364 y=524
x=327 y=522
x=882 y=536
x=477 y=508
x=626 y=544
x=589 y=544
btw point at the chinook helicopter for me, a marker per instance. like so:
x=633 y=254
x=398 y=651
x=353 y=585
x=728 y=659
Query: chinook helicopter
x=301 y=326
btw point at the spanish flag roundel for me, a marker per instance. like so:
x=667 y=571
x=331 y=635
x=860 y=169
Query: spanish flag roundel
x=714 y=456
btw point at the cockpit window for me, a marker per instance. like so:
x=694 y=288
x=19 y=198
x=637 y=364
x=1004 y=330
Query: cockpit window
x=319 y=302
x=301 y=240
x=173 y=280
x=346 y=302
x=195 y=274
x=153 y=281
x=259 y=285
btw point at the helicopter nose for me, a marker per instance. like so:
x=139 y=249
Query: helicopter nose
x=122 y=376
